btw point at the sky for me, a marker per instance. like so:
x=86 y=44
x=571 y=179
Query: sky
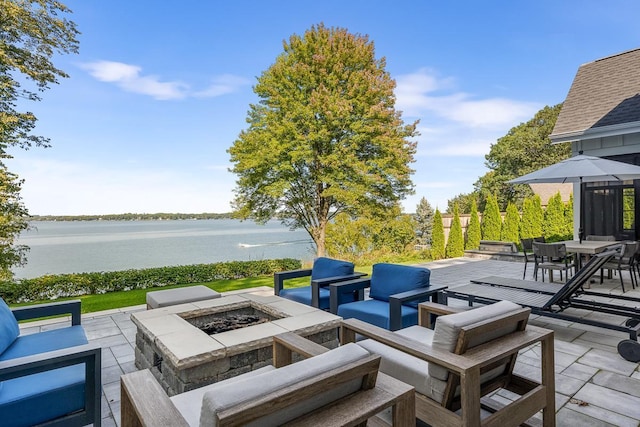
x=160 y=90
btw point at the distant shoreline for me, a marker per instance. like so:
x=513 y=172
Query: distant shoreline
x=133 y=217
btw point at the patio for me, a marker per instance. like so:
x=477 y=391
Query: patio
x=594 y=385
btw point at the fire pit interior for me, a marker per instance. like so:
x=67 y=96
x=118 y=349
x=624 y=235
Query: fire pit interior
x=190 y=345
x=229 y=320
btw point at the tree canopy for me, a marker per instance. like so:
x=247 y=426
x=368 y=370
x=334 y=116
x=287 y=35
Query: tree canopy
x=324 y=138
x=525 y=148
x=31 y=32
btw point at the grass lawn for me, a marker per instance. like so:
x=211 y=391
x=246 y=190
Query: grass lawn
x=114 y=300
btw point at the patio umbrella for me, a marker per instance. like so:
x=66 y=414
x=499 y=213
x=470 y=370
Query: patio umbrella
x=580 y=169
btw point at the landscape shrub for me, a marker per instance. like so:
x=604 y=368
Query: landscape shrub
x=455 y=242
x=50 y=287
x=511 y=225
x=437 y=236
x=473 y=229
x=491 y=219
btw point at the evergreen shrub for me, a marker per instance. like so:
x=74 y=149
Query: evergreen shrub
x=51 y=287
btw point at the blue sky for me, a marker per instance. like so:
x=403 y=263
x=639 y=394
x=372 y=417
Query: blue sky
x=160 y=90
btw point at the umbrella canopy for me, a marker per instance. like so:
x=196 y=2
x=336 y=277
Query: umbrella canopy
x=582 y=168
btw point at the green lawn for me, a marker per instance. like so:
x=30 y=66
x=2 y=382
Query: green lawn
x=114 y=300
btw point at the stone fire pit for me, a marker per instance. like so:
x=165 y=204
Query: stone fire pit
x=183 y=357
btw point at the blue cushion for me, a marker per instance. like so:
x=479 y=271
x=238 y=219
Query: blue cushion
x=376 y=313
x=55 y=339
x=37 y=398
x=327 y=267
x=9 y=329
x=390 y=279
x=303 y=295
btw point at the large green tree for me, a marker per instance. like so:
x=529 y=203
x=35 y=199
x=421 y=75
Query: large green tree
x=325 y=137
x=31 y=33
x=525 y=148
x=364 y=238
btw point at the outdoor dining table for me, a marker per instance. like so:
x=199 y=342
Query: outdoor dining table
x=587 y=248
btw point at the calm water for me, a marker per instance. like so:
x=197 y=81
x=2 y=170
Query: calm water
x=83 y=246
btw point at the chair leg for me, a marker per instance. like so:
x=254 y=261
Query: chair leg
x=525 y=271
x=621 y=281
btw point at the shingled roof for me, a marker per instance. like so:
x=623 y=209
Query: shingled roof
x=604 y=97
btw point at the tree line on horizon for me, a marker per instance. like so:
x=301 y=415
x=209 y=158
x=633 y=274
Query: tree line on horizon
x=133 y=217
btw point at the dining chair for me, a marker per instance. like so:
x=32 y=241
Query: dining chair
x=625 y=260
x=527 y=249
x=553 y=256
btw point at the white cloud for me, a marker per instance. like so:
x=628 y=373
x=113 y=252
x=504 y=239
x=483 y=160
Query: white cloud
x=423 y=92
x=222 y=85
x=129 y=78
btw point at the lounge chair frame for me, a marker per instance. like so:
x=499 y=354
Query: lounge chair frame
x=89 y=354
x=144 y=403
x=550 y=301
x=466 y=364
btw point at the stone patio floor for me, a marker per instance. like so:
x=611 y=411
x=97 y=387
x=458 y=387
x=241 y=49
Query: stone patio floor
x=594 y=385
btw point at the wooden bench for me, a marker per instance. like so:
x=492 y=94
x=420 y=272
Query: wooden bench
x=167 y=297
x=498 y=246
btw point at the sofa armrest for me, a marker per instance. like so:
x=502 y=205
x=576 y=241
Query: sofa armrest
x=419 y=294
x=143 y=402
x=428 y=309
x=337 y=289
x=284 y=345
x=327 y=281
x=89 y=354
x=280 y=277
x=49 y=309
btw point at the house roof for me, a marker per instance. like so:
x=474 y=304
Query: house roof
x=604 y=99
x=548 y=190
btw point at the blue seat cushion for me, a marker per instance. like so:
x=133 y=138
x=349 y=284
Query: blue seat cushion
x=328 y=267
x=9 y=329
x=376 y=312
x=390 y=279
x=303 y=295
x=41 y=342
x=37 y=398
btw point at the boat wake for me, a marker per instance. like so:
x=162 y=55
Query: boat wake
x=257 y=245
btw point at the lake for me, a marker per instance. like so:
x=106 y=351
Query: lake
x=84 y=246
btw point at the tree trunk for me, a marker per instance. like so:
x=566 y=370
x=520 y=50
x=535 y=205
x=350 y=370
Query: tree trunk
x=318 y=236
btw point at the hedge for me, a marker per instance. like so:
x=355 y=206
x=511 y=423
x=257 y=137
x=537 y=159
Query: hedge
x=50 y=287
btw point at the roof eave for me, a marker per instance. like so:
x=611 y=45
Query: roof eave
x=599 y=132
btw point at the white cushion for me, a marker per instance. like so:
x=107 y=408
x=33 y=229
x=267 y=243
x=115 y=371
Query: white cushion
x=226 y=394
x=406 y=368
x=448 y=328
x=189 y=403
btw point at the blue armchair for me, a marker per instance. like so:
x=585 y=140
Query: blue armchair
x=324 y=272
x=395 y=292
x=50 y=377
